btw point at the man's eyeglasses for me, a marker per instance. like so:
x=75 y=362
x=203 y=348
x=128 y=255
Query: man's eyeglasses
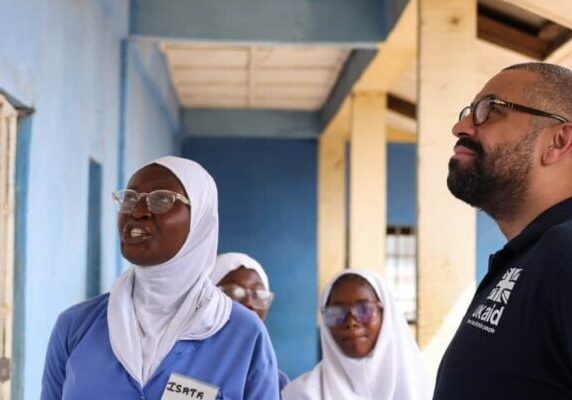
x=259 y=298
x=482 y=108
x=158 y=201
x=336 y=314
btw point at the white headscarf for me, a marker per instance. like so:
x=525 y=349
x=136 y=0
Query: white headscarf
x=393 y=370
x=228 y=262
x=150 y=308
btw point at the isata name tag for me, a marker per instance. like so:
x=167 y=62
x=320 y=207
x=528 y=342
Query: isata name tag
x=184 y=387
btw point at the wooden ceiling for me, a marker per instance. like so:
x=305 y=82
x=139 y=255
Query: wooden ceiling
x=301 y=78
x=235 y=76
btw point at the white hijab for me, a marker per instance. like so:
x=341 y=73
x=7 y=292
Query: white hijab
x=151 y=308
x=228 y=262
x=393 y=370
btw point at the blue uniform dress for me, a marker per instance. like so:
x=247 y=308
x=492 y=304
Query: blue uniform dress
x=81 y=365
x=283 y=379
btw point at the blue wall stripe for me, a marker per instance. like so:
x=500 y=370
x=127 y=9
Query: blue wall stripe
x=19 y=312
x=93 y=273
x=122 y=113
x=123 y=59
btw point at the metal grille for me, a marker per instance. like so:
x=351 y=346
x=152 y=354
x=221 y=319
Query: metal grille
x=8 y=119
x=401 y=268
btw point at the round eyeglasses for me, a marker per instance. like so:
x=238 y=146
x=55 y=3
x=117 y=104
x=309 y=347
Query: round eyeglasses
x=364 y=312
x=259 y=298
x=158 y=201
x=482 y=108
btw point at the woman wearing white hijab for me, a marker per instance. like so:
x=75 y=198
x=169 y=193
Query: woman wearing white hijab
x=164 y=331
x=243 y=279
x=368 y=350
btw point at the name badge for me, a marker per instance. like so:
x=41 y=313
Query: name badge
x=184 y=387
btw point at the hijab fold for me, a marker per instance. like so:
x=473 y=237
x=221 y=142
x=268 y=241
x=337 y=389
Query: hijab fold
x=393 y=370
x=151 y=308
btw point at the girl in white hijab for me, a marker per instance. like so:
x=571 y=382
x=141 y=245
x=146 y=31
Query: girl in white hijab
x=243 y=279
x=228 y=262
x=164 y=328
x=368 y=349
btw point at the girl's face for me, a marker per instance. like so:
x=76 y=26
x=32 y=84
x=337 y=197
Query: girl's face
x=355 y=316
x=151 y=239
x=247 y=279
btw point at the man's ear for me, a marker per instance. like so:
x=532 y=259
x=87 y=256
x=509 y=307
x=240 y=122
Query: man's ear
x=559 y=145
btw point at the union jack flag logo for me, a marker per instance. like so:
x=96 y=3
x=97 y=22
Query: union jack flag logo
x=501 y=292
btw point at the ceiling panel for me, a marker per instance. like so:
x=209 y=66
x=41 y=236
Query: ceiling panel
x=219 y=102
x=299 y=58
x=296 y=78
x=287 y=76
x=185 y=58
x=286 y=103
x=210 y=76
x=211 y=91
x=288 y=91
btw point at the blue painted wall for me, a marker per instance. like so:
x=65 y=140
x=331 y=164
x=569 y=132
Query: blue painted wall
x=401 y=185
x=245 y=123
x=293 y=21
x=401 y=207
x=152 y=112
x=489 y=240
x=21 y=206
x=63 y=58
x=267 y=203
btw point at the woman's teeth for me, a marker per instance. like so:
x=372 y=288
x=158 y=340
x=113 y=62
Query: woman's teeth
x=136 y=232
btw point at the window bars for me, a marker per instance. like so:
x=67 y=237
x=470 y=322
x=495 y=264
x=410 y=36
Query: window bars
x=401 y=268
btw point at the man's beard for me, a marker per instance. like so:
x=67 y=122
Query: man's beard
x=496 y=182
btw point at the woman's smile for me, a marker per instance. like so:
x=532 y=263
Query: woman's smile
x=135 y=234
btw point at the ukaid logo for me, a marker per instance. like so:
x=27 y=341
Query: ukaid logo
x=501 y=292
x=487 y=316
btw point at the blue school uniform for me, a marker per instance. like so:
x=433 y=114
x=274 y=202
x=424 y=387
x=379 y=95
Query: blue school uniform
x=283 y=379
x=80 y=364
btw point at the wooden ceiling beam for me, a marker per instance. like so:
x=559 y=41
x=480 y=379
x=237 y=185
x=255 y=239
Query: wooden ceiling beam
x=512 y=33
x=504 y=35
x=553 y=10
x=401 y=106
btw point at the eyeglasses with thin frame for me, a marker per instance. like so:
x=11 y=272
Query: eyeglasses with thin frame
x=158 y=201
x=481 y=109
x=260 y=299
x=364 y=312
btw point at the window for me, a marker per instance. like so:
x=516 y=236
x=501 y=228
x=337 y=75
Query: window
x=401 y=268
x=8 y=119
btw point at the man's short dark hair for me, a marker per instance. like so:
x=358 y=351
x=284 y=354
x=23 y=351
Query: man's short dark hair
x=553 y=89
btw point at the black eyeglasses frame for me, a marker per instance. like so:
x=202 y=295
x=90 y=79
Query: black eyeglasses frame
x=503 y=103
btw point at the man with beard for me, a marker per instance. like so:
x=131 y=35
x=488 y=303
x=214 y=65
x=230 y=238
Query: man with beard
x=513 y=160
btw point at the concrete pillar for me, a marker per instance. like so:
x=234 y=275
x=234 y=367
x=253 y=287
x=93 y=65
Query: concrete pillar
x=446 y=226
x=368 y=181
x=332 y=227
